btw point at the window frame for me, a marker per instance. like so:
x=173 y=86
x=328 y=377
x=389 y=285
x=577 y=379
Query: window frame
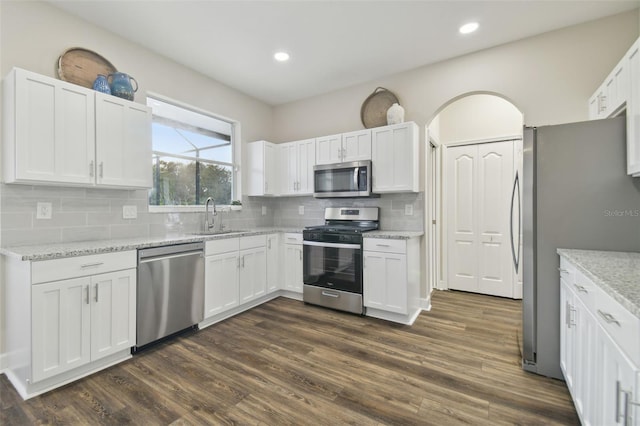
x=236 y=186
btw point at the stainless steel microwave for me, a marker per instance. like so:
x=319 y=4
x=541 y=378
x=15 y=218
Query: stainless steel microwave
x=342 y=180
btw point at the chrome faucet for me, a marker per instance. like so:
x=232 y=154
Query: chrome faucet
x=207 y=225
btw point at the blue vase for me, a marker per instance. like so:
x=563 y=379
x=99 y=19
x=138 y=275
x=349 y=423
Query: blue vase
x=121 y=85
x=101 y=84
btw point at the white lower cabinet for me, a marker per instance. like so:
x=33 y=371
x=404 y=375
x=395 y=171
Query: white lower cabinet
x=221 y=283
x=293 y=262
x=253 y=277
x=598 y=352
x=391 y=275
x=273 y=263
x=68 y=317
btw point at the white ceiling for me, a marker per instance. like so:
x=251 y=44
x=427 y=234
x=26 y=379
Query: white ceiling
x=333 y=44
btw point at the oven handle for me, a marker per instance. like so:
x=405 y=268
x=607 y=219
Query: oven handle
x=331 y=245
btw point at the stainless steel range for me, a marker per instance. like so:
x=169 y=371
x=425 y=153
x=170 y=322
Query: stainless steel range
x=332 y=258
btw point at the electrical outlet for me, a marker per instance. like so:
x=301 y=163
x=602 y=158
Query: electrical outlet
x=43 y=211
x=301 y=210
x=129 y=212
x=408 y=209
x=264 y=210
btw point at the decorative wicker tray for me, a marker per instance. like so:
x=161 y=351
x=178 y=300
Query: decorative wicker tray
x=373 y=112
x=81 y=66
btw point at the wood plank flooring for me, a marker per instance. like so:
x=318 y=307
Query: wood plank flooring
x=289 y=363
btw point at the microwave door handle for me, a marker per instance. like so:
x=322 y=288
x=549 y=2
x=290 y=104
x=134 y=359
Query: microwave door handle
x=356 y=171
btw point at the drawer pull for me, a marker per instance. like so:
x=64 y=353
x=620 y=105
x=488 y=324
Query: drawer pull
x=87 y=299
x=91 y=265
x=581 y=289
x=610 y=319
x=326 y=293
x=383 y=245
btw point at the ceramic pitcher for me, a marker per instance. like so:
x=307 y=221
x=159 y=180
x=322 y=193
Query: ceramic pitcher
x=101 y=84
x=121 y=85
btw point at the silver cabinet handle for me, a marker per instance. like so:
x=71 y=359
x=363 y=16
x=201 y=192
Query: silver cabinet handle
x=91 y=169
x=101 y=168
x=91 y=265
x=580 y=288
x=610 y=319
x=238 y=263
x=243 y=261
x=266 y=185
x=300 y=254
x=97 y=293
x=87 y=298
x=383 y=245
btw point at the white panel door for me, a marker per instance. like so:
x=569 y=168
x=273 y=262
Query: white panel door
x=462 y=216
x=385 y=281
x=495 y=178
x=270 y=171
x=356 y=146
x=293 y=267
x=329 y=149
x=306 y=161
x=123 y=143
x=113 y=312
x=221 y=283
x=55 y=130
x=61 y=327
x=288 y=168
x=253 y=274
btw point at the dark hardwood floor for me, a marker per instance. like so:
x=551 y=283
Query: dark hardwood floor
x=288 y=363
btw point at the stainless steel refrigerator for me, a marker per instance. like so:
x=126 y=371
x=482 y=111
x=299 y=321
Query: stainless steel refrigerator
x=576 y=194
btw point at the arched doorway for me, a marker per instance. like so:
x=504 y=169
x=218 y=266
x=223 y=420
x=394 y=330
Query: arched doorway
x=474 y=151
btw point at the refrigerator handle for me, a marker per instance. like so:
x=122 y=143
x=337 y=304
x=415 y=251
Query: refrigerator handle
x=516 y=257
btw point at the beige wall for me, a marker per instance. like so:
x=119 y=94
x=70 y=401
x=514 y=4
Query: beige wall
x=477 y=117
x=548 y=77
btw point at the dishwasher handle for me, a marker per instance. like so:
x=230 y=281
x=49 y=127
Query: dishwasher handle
x=170 y=256
x=169 y=250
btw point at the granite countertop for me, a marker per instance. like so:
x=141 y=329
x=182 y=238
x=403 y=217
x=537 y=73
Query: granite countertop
x=617 y=273
x=61 y=250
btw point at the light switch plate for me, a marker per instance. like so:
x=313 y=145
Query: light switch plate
x=301 y=210
x=43 y=210
x=408 y=209
x=264 y=210
x=129 y=212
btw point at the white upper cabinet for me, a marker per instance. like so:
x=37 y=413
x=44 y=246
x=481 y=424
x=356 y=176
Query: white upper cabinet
x=620 y=91
x=123 y=148
x=49 y=130
x=296 y=167
x=329 y=149
x=261 y=166
x=395 y=158
x=57 y=133
x=345 y=147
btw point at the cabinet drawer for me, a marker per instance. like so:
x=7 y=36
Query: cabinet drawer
x=620 y=324
x=221 y=246
x=385 y=245
x=253 y=241
x=71 y=267
x=292 y=238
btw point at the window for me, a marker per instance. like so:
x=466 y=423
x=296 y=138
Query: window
x=192 y=156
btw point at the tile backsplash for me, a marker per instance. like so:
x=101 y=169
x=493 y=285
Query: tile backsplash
x=80 y=214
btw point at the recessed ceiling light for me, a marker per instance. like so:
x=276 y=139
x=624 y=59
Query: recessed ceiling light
x=281 y=56
x=469 y=28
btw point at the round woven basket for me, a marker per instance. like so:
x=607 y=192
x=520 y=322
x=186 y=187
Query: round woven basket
x=373 y=112
x=81 y=66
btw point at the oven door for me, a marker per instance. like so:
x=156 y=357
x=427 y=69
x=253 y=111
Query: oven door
x=336 y=266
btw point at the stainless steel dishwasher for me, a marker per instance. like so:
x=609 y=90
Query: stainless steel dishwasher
x=170 y=295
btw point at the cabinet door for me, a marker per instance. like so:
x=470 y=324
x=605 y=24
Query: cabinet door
x=61 y=314
x=356 y=146
x=584 y=379
x=293 y=267
x=385 y=281
x=253 y=271
x=394 y=152
x=306 y=161
x=270 y=170
x=567 y=339
x=633 y=111
x=113 y=313
x=55 y=131
x=329 y=149
x=273 y=262
x=616 y=390
x=288 y=168
x=221 y=283
x=123 y=143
